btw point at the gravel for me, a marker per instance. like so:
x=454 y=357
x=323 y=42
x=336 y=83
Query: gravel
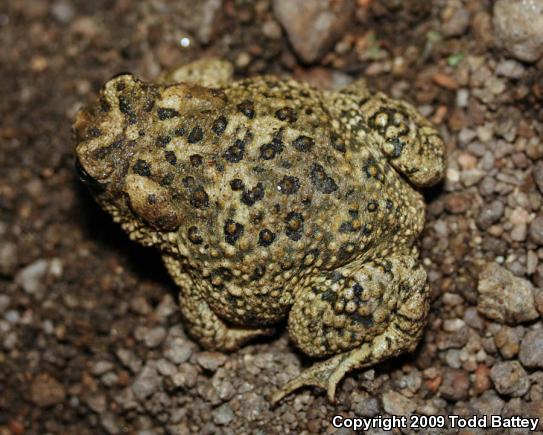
x=91 y=337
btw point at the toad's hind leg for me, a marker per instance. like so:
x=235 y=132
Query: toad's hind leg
x=361 y=316
x=203 y=324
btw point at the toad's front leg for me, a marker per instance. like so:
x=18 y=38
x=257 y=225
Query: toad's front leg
x=371 y=314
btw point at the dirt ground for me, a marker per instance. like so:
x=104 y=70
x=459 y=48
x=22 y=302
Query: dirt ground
x=91 y=340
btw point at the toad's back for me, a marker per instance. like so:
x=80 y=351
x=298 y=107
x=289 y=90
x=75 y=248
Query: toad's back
x=275 y=192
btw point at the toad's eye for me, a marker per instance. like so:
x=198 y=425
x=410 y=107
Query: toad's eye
x=86 y=178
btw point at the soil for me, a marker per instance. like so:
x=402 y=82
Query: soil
x=91 y=340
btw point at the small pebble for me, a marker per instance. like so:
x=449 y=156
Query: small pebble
x=455 y=384
x=531 y=349
x=397 y=404
x=211 y=360
x=510 y=378
x=46 y=390
x=223 y=414
x=504 y=297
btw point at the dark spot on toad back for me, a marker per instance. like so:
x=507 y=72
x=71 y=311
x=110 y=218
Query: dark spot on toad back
x=188 y=182
x=269 y=150
x=232 y=231
x=170 y=157
x=104 y=105
x=195 y=135
x=219 y=125
x=236 y=184
x=266 y=237
x=373 y=206
x=303 y=143
x=294 y=225
x=194 y=235
x=162 y=141
x=247 y=108
x=288 y=185
x=199 y=198
x=166 y=113
x=93 y=132
x=124 y=105
x=167 y=179
x=234 y=154
x=322 y=182
x=141 y=167
x=179 y=131
x=148 y=105
x=196 y=160
x=337 y=144
x=249 y=197
x=286 y=114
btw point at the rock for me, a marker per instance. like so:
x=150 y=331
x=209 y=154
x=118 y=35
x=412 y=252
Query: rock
x=455 y=385
x=458 y=23
x=531 y=349
x=457 y=203
x=101 y=367
x=46 y=390
x=539 y=294
x=508 y=342
x=211 y=360
x=8 y=257
x=4 y=302
x=178 y=350
x=146 y=383
x=165 y=367
x=186 y=376
x=62 y=11
x=510 y=68
x=97 y=403
x=537 y=173
x=510 y=378
x=313 y=26
x=272 y=30
x=396 y=404
x=223 y=414
x=504 y=297
x=482 y=379
x=154 y=337
x=536 y=230
x=109 y=423
x=129 y=359
x=488 y=404
x=32 y=276
x=365 y=406
x=490 y=214
x=518 y=26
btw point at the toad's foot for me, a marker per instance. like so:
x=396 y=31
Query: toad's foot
x=325 y=374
